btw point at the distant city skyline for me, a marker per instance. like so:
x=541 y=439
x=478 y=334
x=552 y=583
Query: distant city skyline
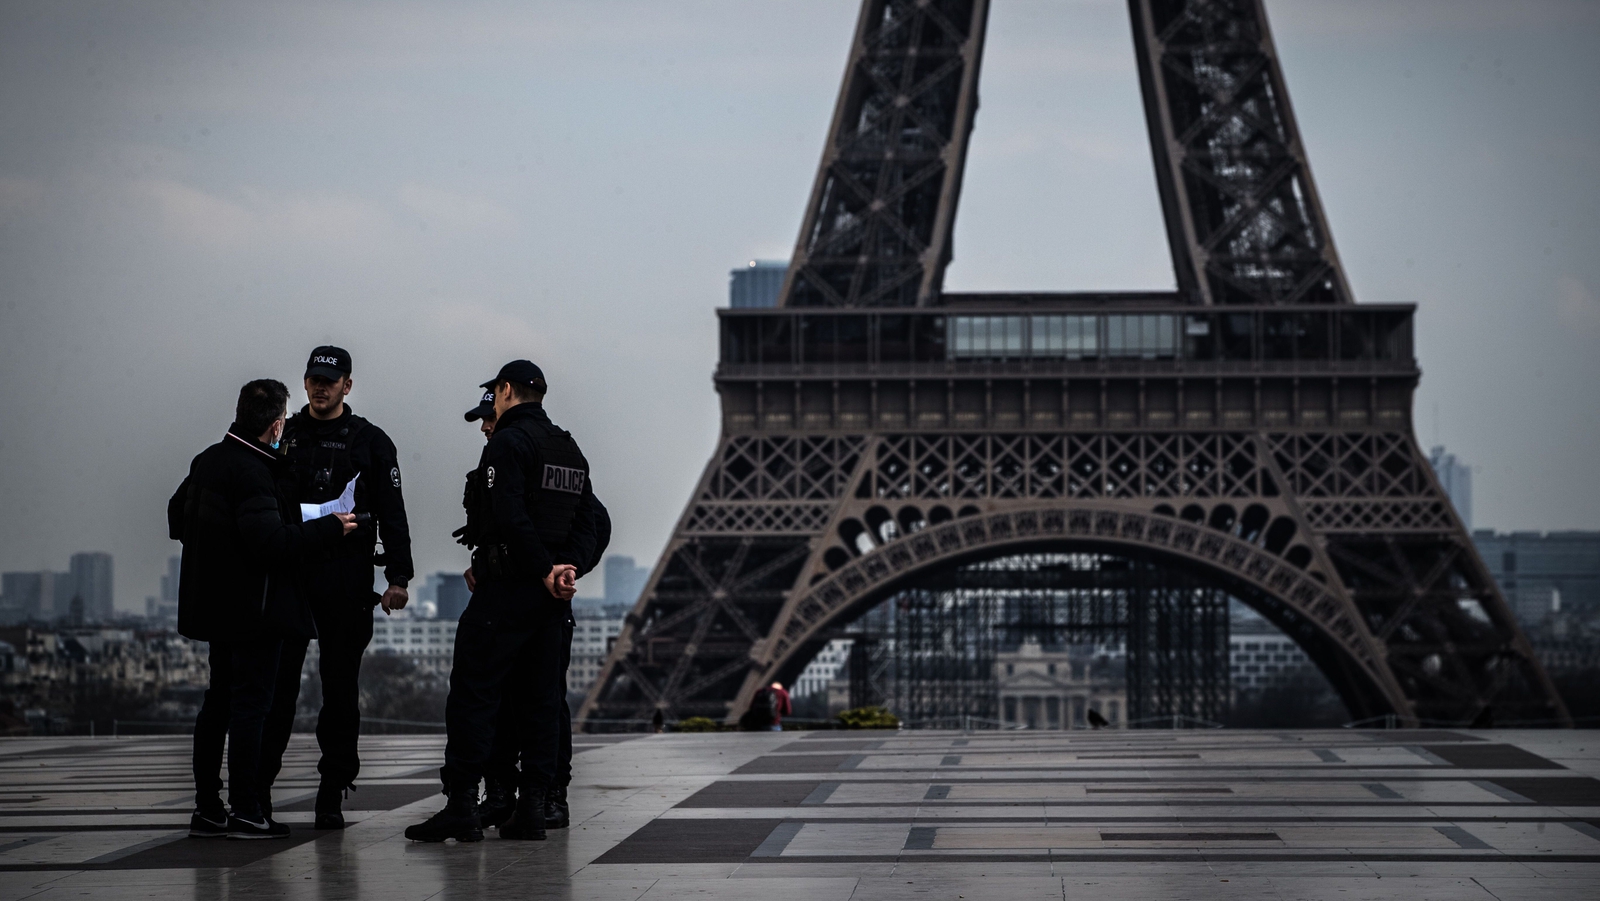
x=191 y=201
x=85 y=590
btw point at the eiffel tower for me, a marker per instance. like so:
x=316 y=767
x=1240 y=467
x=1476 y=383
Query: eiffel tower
x=1251 y=429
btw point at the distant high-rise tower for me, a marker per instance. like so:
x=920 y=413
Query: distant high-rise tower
x=91 y=581
x=757 y=284
x=20 y=596
x=452 y=595
x=1455 y=478
x=165 y=608
x=169 y=582
x=55 y=594
x=624 y=580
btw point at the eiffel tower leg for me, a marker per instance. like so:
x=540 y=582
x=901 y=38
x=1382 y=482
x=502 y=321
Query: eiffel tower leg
x=742 y=544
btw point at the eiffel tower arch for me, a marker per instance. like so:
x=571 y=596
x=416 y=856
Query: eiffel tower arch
x=1251 y=429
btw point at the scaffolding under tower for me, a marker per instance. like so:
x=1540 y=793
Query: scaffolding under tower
x=928 y=653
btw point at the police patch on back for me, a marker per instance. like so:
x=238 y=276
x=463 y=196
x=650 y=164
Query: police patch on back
x=563 y=478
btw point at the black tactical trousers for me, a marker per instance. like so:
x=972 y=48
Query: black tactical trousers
x=235 y=708
x=510 y=734
x=344 y=629
x=492 y=653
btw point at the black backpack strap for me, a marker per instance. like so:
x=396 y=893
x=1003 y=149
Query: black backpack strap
x=357 y=425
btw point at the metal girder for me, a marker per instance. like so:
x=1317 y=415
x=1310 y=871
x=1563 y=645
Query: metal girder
x=1382 y=613
x=1243 y=217
x=876 y=231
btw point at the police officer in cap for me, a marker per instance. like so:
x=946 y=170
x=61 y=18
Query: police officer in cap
x=526 y=494
x=483 y=414
x=590 y=535
x=326 y=446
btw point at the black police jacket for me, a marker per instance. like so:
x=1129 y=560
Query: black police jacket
x=323 y=456
x=244 y=546
x=587 y=539
x=535 y=480
x=591 y=533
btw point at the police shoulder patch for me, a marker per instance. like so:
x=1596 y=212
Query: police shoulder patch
x=394 y=476
x=490 y=475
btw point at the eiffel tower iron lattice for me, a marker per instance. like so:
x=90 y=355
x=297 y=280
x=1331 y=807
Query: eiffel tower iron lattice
x=1252 y=429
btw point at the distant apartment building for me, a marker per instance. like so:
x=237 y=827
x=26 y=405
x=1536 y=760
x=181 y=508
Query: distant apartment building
x=9 y=658
x=1456 y=479
x=1544 y=573
x=597 y=629
x=822 y=669
x=90 y=573
x=143 y=660
x=1260 y=656
x=451 y=595
x=756 y=284
x=55 y=596
x=430 y=643
x=23 y=597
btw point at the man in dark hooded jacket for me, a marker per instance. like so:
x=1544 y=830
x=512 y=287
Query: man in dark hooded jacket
x=239 y=589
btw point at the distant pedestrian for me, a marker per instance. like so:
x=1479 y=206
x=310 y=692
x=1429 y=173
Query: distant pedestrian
x=781 y=706
x=239 y=588
x=767 y=710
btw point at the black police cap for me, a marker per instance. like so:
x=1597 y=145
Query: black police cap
x=484 y=409
x=329 y=362
x=517 y=372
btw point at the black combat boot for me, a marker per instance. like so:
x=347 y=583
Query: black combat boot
x=528 y=824
x=458 y=820
x=330 y=800
x=556 y=814
x=498 y=804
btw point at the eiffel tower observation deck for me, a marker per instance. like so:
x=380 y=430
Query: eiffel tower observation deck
x=1245 y=436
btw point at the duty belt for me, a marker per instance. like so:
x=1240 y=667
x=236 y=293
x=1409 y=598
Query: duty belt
x=492 y=562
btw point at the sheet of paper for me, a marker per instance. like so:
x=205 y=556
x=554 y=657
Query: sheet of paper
x=344 y=503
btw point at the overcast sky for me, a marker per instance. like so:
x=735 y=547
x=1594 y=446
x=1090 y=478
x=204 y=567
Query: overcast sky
x=194 y=194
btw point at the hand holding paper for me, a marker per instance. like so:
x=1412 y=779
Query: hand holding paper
x=344 y=503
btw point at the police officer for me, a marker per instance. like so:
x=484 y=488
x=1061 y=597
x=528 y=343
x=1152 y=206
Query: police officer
x=591 y=533
x=327 y=445
x=524 y=498
x=586 y=550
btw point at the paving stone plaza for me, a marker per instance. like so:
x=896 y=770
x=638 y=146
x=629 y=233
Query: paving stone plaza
x=830 y=816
